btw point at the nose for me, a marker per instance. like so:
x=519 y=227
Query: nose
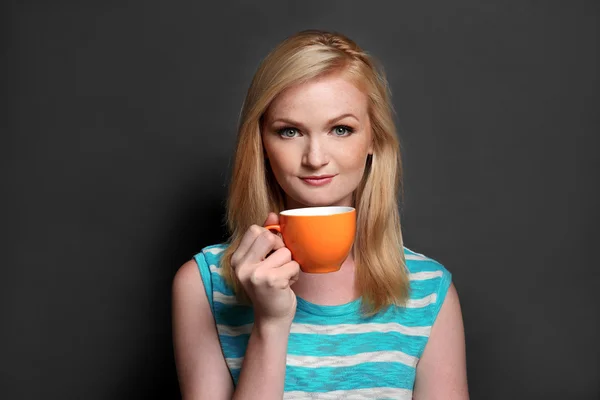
x=315 y=155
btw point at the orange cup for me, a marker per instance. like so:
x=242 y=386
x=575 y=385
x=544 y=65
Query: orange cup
x=319 y=238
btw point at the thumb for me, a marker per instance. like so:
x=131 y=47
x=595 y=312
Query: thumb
x=272 y=219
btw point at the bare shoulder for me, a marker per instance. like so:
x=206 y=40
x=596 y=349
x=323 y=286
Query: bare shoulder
x=450 y=311
x=201 y=367
x=441 y=371
x=187 y=279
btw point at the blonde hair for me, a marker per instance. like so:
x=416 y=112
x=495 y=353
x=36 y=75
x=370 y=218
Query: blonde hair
x=380 y=273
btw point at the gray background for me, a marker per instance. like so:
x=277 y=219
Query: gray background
x=117 y=134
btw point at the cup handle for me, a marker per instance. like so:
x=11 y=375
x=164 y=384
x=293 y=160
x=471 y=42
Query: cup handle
x=276 y=228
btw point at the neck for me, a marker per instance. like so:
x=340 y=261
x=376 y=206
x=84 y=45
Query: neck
x=332 y=288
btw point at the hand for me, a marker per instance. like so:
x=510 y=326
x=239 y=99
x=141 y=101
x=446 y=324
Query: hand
x=267 y=278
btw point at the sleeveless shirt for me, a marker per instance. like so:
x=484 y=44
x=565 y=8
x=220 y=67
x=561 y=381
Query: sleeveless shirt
x=334 y=352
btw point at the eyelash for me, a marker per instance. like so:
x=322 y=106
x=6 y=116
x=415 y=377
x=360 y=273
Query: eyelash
x=281 y=131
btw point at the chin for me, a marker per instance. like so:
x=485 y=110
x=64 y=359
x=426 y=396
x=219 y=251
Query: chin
x=321 y=201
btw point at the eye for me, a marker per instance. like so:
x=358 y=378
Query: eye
x=342 y=130
x=288 y=132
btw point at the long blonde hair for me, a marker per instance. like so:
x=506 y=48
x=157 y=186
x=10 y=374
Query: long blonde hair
x=380 y=272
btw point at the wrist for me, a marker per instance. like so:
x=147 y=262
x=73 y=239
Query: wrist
x=267 y=327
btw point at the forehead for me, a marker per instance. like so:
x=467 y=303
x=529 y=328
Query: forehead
x=326 y=95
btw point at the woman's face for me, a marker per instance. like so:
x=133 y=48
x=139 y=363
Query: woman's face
x=317 y=137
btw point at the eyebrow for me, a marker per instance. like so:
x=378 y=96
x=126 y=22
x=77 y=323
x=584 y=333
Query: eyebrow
x=330 y=122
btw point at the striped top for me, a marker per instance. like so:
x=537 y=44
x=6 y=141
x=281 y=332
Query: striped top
x=334 y=352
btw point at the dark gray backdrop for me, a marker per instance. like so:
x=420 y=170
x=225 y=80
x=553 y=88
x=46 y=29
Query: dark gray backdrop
x=117 y=133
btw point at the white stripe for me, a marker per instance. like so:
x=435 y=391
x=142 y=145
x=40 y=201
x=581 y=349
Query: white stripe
x=412 y=251
x=420 y=303
x=339 y=361
x=234 y=363
x=214 y=250
x=215 y=269
x=234 y=330
x=349 y=361
x=416 y=257
x=353 y=394
x=421 y=276
x=350 y=329
x=341 y=329
x=223 y=298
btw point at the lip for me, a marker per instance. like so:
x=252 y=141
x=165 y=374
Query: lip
x=318 y=180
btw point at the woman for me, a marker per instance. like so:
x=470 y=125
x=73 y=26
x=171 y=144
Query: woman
x=316 y=129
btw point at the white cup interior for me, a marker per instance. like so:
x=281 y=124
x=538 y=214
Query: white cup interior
x=312 y=211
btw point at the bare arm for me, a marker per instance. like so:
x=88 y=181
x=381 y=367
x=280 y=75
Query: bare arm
x=263 y=370
x=266 y=276
x=201 y=367
x=441 y=371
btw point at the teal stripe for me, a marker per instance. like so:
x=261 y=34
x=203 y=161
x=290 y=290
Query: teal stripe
x=333 y=345
x=228 y=314
x=236 y=315
x=362 y=376
x=232 y=315
x=405 y=316
x=219 y=285
x=442 y=291
x=235 y=374
x=415 y=316
x=305 y=318
x=352 y=307
x=420 y=289
x=211 y=258
x=234 y=346
x=351 y=344
x=206 y=276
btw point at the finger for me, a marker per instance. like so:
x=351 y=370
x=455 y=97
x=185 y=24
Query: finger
x=247 y=240
x=272 y=219
x=262 y=246
x=282 y=276
x=295 y=278
x=278 y=258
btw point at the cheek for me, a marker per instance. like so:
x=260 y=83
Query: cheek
x=353 y=156
x=281 y=160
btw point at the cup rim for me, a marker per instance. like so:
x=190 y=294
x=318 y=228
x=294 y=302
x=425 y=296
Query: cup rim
x=316 y=211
